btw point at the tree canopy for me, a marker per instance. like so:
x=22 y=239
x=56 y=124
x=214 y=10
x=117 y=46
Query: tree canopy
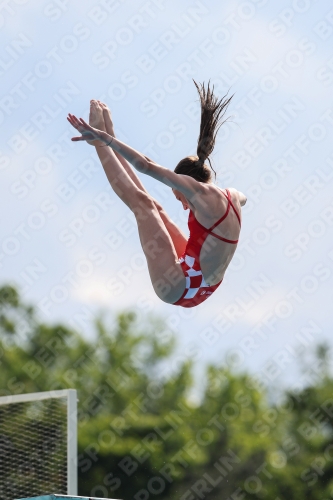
x=140 y=437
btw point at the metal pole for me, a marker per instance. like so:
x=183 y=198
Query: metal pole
x=72 y=443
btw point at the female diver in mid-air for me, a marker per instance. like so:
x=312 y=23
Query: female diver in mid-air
x=184 y=272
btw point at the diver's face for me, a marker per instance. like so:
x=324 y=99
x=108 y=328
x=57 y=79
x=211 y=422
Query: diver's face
x=180 y=197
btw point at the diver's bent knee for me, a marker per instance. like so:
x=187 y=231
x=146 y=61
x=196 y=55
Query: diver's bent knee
x=143 y=202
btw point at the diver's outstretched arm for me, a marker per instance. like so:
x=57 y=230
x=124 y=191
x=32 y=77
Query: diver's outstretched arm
x=187 y=185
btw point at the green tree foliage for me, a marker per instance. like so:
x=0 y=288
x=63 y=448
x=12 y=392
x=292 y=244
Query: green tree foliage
x=141 y=438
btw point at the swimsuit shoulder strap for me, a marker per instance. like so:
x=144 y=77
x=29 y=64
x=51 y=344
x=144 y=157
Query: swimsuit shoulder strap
x=230 y=204
x=233 y=207
x=209 y=230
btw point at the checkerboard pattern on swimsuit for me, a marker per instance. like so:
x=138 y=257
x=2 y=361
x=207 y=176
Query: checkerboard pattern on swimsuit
x=194 y=278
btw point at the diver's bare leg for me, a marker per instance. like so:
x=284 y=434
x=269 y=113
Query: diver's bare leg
x=178 y=237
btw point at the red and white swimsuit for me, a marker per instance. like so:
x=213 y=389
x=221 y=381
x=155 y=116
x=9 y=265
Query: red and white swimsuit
x=197 y=290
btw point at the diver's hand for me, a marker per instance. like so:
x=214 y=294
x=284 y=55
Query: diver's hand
x=88 y=133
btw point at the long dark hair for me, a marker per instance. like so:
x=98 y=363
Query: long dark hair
x=212 y=117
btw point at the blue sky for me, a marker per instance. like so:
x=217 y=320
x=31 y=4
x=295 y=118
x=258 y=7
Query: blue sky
x=64 y=234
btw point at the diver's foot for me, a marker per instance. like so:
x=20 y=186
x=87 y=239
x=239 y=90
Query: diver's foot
x=107 y=118
x=96 y=120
